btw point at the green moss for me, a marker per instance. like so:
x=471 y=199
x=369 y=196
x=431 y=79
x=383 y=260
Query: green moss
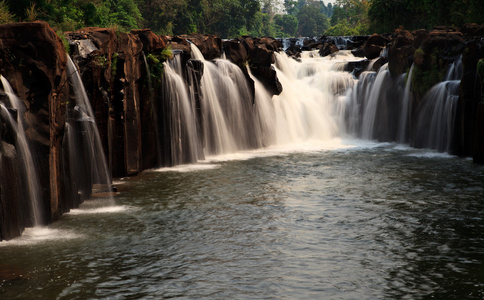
x=425 y=78
x=100 y=61
x=419 y=53
x=65 y=42
x=480 y=75
x=155 y=63
x=480 y=69
x=114 y=64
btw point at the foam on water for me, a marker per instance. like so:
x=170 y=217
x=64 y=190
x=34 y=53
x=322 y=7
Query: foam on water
x=189 y=168
x=100 y=210
x=431 y=154
x=39 y=234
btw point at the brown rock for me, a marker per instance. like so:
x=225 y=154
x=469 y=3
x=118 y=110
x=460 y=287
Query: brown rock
x=235 y=52
x=209 y=45
x=151 y=42
x=327 y=49
x=401 y=52
x=128 y=71
x=33 y=59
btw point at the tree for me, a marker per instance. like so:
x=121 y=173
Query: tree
x=311 y=21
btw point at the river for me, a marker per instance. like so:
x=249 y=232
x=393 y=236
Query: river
x=344 y=219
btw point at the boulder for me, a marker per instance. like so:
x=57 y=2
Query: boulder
x=209 y=45
x=374 y=45
x=472 y=29
x=400 y=53
x=236 y=52
x=327 y=49
x=151 y=42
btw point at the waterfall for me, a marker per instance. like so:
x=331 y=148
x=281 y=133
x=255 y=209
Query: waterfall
x=28 y=169
x=436 y=116
x=355 y=100
x=87 y=151
x=455 y=70
x=435 y=122
x=406 y=109
x=179 y=116
x=372 y=101
x=231 y=120
x=309 y=106
x=319 y=101
x=308 y=109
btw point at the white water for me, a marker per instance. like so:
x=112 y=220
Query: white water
x=406 y=109
x=181 y=115
x=319 y=102
x=28 y=170
x=98 y=167
x=436 y=116
x=372 y=102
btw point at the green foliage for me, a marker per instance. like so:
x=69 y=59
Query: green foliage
x=124 y=13
x=342 y=28
x=230 y=18
x=311 y=21
x=5 y=15
x=65 y=42
x=101 y=61
x=480 y=69
x=155 y=63
x=286 y=25
x=114 y=64
x=426 y=76
x=419 y=54
x=386 y=15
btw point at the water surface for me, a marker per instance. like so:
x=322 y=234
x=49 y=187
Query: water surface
x=348 y=221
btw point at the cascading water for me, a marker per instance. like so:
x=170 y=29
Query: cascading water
x=455 y=70
x=217 y=100
x=179 y=116
x=371 y=114
x=436 y=116
x=28 y=169
x=319 y=102
x=372 y=102
x=87 y=153
x=406 y=109
x=435 y=121
x=309 y=107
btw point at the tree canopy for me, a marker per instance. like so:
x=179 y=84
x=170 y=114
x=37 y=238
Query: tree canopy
x=230 y=18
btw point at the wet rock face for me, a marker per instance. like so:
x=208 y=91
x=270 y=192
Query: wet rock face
x=128 y=72
x=110 y=75
x=12 y=214
x=33 y=60
x=400 y=52
x=258 y=54
x=209 y=45
x=151 y=42
x=327 y=49
x=374 y=45
x=469 y=127
x=236 y=52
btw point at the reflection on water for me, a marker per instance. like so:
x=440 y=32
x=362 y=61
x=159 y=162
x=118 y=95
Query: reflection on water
x=373 y=221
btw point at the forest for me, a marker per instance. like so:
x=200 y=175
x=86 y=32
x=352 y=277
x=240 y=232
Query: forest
x=231 y=18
